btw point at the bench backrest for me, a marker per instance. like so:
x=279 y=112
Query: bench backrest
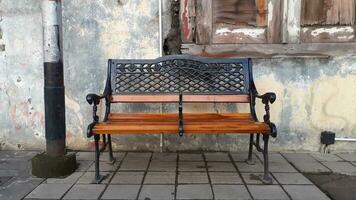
x=163 y=79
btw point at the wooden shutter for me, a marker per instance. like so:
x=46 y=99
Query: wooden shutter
x=328 y=21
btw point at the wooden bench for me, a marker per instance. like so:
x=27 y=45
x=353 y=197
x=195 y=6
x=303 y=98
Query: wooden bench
x=181 y=79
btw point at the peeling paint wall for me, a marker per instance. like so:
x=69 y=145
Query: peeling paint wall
x=313 y=95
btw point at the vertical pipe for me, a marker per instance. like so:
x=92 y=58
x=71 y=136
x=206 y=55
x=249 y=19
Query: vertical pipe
x=160 y=53
x=53 y=79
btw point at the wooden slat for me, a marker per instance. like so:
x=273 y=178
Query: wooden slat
x=293 y=21
x=313 y=12
x=175 y=98
x=230 y=34
x=204 y=21
x=261 y=17
x=187 y=20
x=332 y=12
x=320 y=34
x=347 y=12
x=274 y=29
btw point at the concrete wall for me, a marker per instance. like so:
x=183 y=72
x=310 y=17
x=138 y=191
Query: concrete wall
x=312 y=94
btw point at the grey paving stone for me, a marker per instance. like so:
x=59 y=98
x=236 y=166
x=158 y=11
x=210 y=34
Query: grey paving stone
x=281 y=167
x=267 y=192
x=255 y=178
x=326 y=157
x=160 y=178
x=171 y=157
x=191 y=166
x=311 y=167
x=191 y=157
x=157 y=192
x=4 y=179
x=120 y=192
x=104 y=156
x=9 y=172
x=17 y=155
x=221 y=167
x=162 y=166
x=235 y=192
x=49 y=191
x=225 y=178
x=273 y=158
x=192 y=177
x=242 y=157
x=15 y=164
x=18 y=188
x=92 y=191
x=341 y=167
x=217 y=156
x=303 y=192
x=244 y=167
x=144 y=156
x=89 y=177
x=83 y=165
x=128 y=178
x=134 y=165
x=71 y=179
x=348 y=156
x=292 y=178
x=194 y=192
x=105 y=167
x=299 y=157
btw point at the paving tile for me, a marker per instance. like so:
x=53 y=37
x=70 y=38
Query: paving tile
x=104 y=156
x=192 y=177
x=225 y=178
x=144 y=156
x=83 y=165
x=267 y=192
x=92 y=191
x=134 y=165
x=9 y=172
x=127 y=192
x=89 y=177
x=311 y=167
x=299 y=157
x=326 y=157
x=303 y=192
x=171 y=157
x=221 y=167
x=273 y=158
x=18 y=188
x=244 y=167
x=242 y=157
x=17 y=155
x=160 y=178
x=162 y=166
x=291 y=178
x=49 y=191
x=191 y=157
x=202 y=191
x=191 y=166
x=157 y=192
x=217 y=156
x=15 y=164
x=341 y=167
x=235 y=192
x=348 y=156
x=105 y=167
x=281 y=167
x=127 y=178
x=255 y=178
x=71 y=179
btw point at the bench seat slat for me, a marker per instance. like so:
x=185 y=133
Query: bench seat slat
x=194 y=123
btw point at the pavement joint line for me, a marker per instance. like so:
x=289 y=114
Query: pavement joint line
x=144 y=176
x=32 y=189
x=114 y=173
x=207 y=171
x=176 y=177
x=240 y=175
x=279 y=184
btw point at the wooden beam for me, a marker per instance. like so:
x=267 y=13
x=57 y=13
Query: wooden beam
x=274 y=29
x=187 y=20
x=204 y=21
x=347 y=12
x=293 y=21
x=322 y=34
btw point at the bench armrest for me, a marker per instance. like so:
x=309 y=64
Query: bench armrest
x=94 y=99
x=267 y=98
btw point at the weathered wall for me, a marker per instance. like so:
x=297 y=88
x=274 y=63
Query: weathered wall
x=313 y=94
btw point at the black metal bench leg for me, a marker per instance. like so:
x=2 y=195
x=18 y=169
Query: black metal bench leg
x=111 y=156
x=98 y=177
x=266 y=179
x=250 y=149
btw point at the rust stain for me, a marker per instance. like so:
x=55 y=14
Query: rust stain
x=186 y=30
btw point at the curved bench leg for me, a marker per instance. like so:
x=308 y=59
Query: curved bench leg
x=98 y=177
x=111 y=156
x=266 y=179
x=250 y=149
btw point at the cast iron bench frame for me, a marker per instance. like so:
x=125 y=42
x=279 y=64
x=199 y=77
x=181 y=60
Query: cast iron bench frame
x=179 y=79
